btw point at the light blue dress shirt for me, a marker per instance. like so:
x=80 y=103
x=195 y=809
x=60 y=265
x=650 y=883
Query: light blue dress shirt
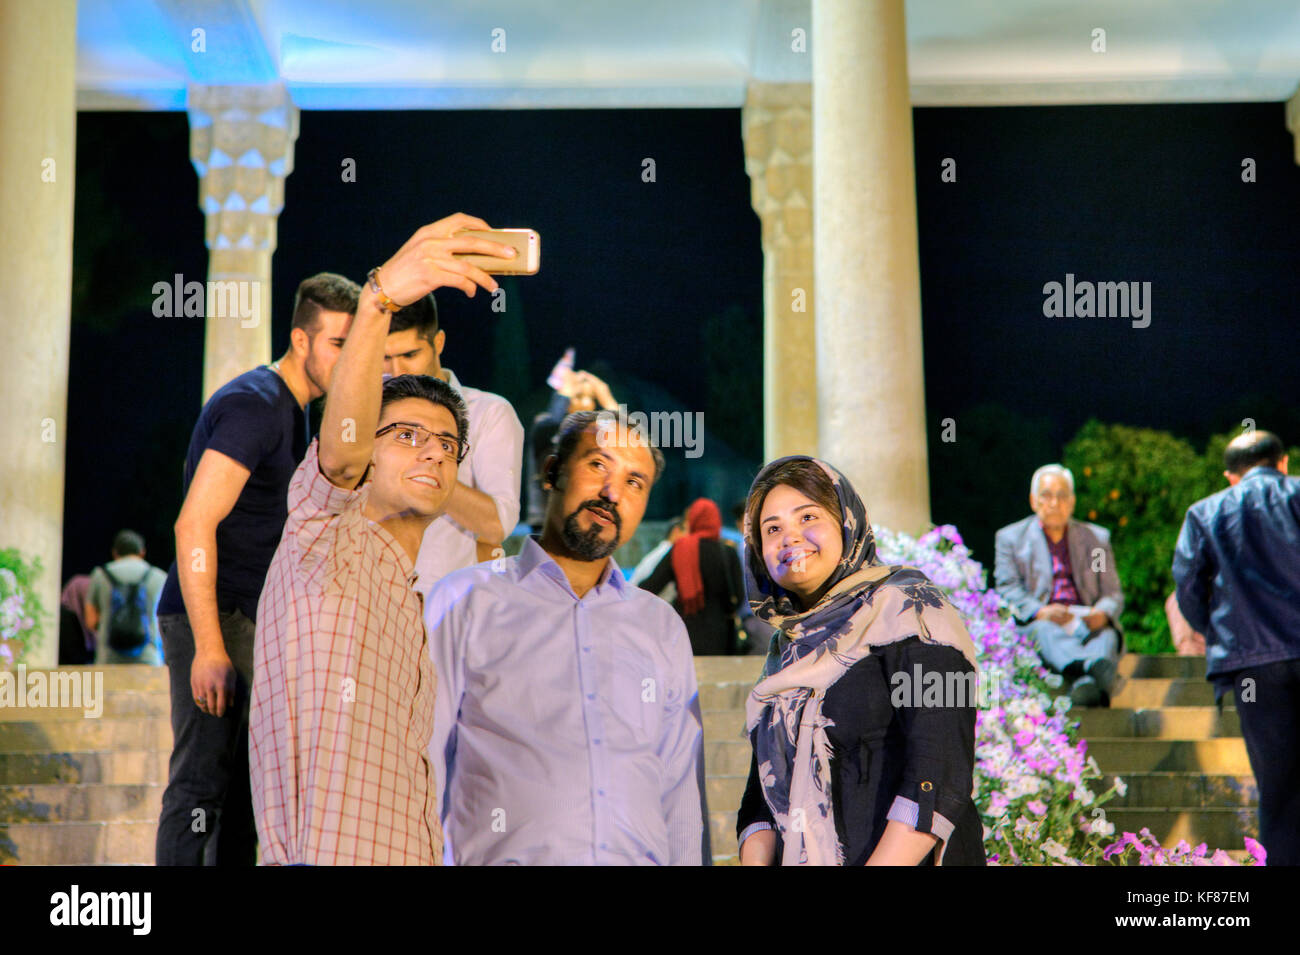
x=567 y=731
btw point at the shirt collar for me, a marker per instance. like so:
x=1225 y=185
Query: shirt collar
x=533 y=558
x=1261 y=470
x=452 y=379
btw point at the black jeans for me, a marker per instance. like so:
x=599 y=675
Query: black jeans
x=1268 y=703
x=207 y=808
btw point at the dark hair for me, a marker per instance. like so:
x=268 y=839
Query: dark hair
x=127 y=543
x=323 y=292
x=571 y=430
x=1266 y=449
x=430 y=389
x=422 y=315
x=805 y=476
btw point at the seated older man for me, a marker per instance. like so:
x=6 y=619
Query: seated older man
x=1059 y=577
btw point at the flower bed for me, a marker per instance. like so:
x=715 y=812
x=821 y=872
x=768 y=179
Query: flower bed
x=20 y=608
x=1039 y=793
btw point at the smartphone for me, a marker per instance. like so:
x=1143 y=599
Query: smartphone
x=527 y=245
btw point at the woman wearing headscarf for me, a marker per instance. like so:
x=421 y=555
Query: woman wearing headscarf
x=708 y=578
x=863 y=722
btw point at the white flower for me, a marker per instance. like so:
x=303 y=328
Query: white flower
x=1121 y=787
x=1053 y=849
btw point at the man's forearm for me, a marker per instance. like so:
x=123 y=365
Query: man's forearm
x=347 y=431
x=476 y=511
x=196 y=567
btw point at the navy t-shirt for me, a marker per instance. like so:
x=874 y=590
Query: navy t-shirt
x=255 y=420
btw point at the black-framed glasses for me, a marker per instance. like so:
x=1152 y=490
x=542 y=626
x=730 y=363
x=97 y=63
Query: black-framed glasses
x=414 y=436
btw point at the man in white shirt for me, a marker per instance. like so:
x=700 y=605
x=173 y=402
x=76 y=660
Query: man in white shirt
x=483 y=508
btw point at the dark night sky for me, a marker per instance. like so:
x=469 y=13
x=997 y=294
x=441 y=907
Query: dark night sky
x=633 y=272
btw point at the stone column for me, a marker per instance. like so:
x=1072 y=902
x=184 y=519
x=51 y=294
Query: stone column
x=870 y=389
x=38 y=129
x=777 y=125
x=241 y=144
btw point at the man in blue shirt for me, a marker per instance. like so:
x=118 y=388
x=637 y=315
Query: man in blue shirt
x=1237 y=570
x=248 y=441
x=567 y=728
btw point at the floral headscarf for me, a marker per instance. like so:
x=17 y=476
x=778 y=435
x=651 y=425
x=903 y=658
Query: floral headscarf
x=868 y=604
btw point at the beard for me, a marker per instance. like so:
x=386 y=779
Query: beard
x=588 y=544
x=311 y=368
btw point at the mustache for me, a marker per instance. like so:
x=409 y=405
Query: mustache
x=607 y=508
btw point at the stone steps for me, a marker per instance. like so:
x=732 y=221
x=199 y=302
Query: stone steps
x=79 y=790
x=1183 y=722
x=79 y=843
x=90 y=802
x=102 y=735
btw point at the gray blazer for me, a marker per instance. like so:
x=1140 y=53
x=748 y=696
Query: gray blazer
x=1023 y=571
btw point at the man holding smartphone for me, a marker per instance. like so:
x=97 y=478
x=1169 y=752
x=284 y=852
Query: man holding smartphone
x=343 y=693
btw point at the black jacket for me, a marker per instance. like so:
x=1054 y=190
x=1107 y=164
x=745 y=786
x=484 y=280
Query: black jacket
x=1237 y=568
x=882 y=754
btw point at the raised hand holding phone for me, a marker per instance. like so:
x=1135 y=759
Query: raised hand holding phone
x=432 y=258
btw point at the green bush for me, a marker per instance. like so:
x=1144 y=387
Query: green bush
x=1138 y=483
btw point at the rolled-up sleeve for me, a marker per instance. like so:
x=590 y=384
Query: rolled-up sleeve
x=939 y=743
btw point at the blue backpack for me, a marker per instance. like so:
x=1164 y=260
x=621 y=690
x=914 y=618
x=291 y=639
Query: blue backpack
x=128 y=628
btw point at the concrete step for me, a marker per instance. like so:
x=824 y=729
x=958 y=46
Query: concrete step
x=1122 y=756
x=727 y=757
x=117 y=704
x=1163 y=665
x=1174 y=722
x=724 y=696
x=1199 y=790
x=724 y=724
x=1218 y=828
x=55 y=736
x=97 y=802
x=1140 y=693
x=722 y=832
x=79 y=843
x=82 y=766
x=724 y=792
x=728 y=669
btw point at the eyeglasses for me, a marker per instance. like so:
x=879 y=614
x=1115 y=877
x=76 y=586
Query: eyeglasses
x=414 y=436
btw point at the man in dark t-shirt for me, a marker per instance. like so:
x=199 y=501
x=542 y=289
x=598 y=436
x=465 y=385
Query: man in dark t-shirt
x=247 y=443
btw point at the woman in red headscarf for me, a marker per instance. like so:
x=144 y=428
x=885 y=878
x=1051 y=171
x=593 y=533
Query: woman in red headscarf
x=708 y=577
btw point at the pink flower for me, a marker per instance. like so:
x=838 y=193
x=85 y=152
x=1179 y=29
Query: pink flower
x=1257 y=852
x=1036 y=807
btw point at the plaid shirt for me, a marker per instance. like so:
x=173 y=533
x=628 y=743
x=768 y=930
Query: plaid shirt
x=343 y=691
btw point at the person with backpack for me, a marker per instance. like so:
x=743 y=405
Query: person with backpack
x=121 y=603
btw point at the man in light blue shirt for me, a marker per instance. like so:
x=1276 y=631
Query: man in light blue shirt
x=567 y=727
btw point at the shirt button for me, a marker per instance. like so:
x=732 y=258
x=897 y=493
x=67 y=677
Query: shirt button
x=604 y=845
x=600 y=792
x=591 y=696
x=596 y=741
x=586 y=649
